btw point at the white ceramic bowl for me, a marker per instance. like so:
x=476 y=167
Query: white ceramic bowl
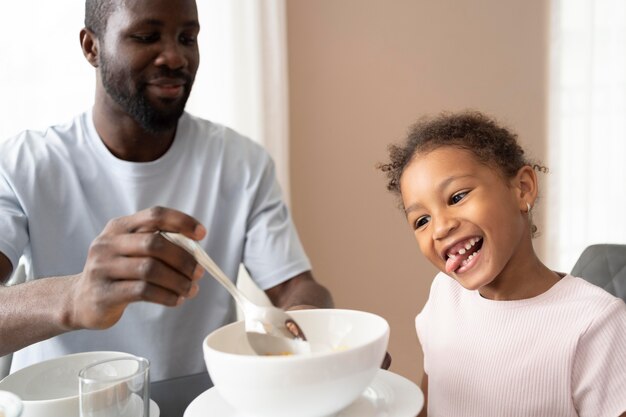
x=310 y=385
x=50 y=388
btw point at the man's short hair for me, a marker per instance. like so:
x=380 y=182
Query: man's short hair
x=97 y=14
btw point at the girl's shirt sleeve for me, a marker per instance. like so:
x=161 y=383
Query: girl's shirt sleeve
x=599 y=369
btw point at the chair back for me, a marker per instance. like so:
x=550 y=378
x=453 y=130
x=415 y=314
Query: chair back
x=605 y=266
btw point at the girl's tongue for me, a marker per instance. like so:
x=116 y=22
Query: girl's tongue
x=453 y=263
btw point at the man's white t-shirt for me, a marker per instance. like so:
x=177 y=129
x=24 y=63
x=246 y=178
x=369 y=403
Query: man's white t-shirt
x=59 y=188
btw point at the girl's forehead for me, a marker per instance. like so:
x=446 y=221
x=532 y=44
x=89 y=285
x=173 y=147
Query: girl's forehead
x=426 y=170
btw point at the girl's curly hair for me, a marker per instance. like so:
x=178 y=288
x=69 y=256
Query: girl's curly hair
x=492 y=144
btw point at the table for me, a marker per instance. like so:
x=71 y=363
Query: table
x=175 y=394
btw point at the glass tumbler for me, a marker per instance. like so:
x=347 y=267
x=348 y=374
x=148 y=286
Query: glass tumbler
x=118 y=387
x=10 y=404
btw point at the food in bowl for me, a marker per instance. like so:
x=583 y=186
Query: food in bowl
x=348 y=347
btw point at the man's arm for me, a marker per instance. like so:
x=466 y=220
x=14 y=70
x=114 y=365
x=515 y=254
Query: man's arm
x=301 y=291
x=127 y=262
x=30 y=312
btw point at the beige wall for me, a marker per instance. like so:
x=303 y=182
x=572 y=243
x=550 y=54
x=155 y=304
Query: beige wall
x=360 y=72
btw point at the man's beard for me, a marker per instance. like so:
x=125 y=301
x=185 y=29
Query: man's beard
x=136 y=103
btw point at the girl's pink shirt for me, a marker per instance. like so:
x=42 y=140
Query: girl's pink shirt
x=562 y=353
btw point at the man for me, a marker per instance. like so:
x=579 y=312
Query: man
x=82 y=202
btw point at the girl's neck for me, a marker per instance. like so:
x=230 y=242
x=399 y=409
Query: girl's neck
x=525 y=276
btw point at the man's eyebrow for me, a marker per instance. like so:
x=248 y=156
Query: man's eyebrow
x=151 y=22
x=194 y=24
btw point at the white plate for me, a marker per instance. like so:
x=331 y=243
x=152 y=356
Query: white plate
x=389 y=395
x=155 y=411
x=136 y=408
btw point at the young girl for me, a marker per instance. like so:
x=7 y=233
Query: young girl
x=502 y=334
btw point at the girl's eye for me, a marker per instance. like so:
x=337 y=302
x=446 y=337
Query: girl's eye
x=458 y=197
x=421 y=221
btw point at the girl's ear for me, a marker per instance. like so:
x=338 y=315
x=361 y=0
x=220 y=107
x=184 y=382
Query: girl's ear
x=526 y=187
x=90 y=46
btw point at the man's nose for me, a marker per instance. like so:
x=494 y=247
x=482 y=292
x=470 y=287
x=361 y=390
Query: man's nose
x=172 y=55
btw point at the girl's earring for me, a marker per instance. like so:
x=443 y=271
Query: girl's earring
x=533 y=228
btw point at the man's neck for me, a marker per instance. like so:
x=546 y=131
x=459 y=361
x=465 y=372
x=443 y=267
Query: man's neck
x=128 y=140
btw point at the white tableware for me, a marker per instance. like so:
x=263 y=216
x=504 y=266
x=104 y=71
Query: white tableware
x=308 y=385
x=270 y=330
x=10 y=404
x=117 y=387
x=50 y=388
x=388 y=395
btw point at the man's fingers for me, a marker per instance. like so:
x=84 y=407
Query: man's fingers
x=128 y=291
x=156 y=219
x=150 y=271
x=386 y=361
x=149 y=245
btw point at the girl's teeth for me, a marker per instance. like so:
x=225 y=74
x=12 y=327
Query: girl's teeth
x=467 y=247
x=469 y=258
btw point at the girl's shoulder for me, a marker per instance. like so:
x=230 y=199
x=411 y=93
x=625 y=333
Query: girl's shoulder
x=590 y=296
x=590 y=309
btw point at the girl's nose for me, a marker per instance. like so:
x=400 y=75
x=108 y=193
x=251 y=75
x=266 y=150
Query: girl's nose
x=443 y=226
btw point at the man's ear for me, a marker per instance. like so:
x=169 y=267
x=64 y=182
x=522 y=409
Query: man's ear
x=526 y=187
x=90 y=46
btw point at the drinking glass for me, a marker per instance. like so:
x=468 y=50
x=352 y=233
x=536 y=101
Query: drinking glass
x=118 y=387
x=10 y=404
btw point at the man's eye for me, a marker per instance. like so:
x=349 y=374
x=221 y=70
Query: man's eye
x=146 y=38
x=188 y=39
x=458 y=197
x=421 y=221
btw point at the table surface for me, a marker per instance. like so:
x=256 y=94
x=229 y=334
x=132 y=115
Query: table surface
x=175 y=394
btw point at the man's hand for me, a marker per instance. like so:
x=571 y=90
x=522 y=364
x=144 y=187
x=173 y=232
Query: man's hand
x=386 y=361
x=129 y=262
x=299 y=293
